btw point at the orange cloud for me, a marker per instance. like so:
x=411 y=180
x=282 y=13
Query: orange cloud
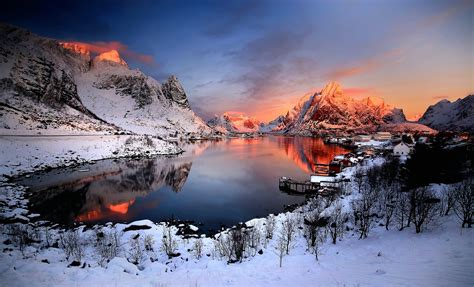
x=101 y=47
x=365 y=66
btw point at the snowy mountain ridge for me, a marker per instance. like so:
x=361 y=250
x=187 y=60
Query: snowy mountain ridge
x=333 y=110
x=234 y=122
x=447 y=115
x=54 y=87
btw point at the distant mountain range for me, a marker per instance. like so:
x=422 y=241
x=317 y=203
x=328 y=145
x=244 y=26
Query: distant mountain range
x=53 y=87
x=328 y=111
x=453 y=116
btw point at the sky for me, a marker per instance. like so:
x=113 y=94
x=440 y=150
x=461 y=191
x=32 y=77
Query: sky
x=260 y=57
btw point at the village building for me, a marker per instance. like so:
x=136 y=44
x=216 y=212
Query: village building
x=362 y=138
x=382 y=136
x=401 y=149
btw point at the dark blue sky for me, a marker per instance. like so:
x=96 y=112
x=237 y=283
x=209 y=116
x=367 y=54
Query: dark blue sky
x=259 y=57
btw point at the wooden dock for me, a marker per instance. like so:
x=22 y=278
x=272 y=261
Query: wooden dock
x=290 y=185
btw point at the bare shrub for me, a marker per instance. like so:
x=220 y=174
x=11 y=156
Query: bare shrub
x=136 y=253
x=363 y=210
x=22 y=235
x=107 y=245
x=402 y=210
x=197 y=248
x=253 y=239
x=168 y=242
x=464 y=202
x=336 y=223
x=149 y=242
x=423 y=207
x=269 y=227
x=71 y=244
x=287 y=231
x=281 y=247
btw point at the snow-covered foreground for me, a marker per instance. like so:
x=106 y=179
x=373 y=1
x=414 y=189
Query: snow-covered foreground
x=439 y=257
x=30 y=153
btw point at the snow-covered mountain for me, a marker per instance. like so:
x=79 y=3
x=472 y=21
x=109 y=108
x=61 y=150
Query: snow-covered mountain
x=453 y=116
x=333 y=110
x=58 y=87
x=234 y=122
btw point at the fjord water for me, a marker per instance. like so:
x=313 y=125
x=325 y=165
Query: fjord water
x=213 y=183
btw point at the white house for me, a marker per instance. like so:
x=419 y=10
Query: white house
x=401 y=149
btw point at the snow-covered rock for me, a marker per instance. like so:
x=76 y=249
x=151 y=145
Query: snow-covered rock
x=446 y=115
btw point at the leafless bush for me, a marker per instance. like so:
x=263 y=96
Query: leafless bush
x=107 y=245
x=168 y=242
x=281 y=247
x=22 y=235
x=464 y=202
x=269 y=227
x=223 y=246
x=197 y=248
x=402 y=210
x=148 y=242
x=287 y=231
x=388 y=202
x=253 y=239
x=136 y=253
x=359 y=178
x=363 y=210
x=71 y=244
x=336 y=223
x=423 y=207
x=448 y=195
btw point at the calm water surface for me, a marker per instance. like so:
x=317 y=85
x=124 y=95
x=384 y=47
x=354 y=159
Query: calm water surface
x=212 y=183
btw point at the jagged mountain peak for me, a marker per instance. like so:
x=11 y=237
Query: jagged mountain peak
x=331 y=108
x=332 y=89
x=173 y=89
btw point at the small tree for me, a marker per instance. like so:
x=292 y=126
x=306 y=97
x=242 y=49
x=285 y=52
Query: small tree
x=281 y=247
x=136 y=253
x=359 y=178
x=107 y=245
x=336 y=223
x=269 y=227
x=197 y=248
x=71 y=243
x=423 y=207
x=464 y=203
x=402 y=209
x=287 y=231
x=363 y=210
x=168 y=242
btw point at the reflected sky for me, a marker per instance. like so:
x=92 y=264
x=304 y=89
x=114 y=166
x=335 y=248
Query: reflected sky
x=214 y=183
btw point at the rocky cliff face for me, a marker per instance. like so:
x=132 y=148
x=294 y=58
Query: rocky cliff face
x=60 y=87
x=453 y=116
x=173 y=90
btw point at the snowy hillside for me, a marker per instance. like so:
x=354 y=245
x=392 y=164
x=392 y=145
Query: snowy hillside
x=446 y=115
x=332 y=109
x=234 y=122
x=52 y=87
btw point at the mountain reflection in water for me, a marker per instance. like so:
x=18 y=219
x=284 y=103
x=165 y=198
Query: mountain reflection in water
x=231 y=181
